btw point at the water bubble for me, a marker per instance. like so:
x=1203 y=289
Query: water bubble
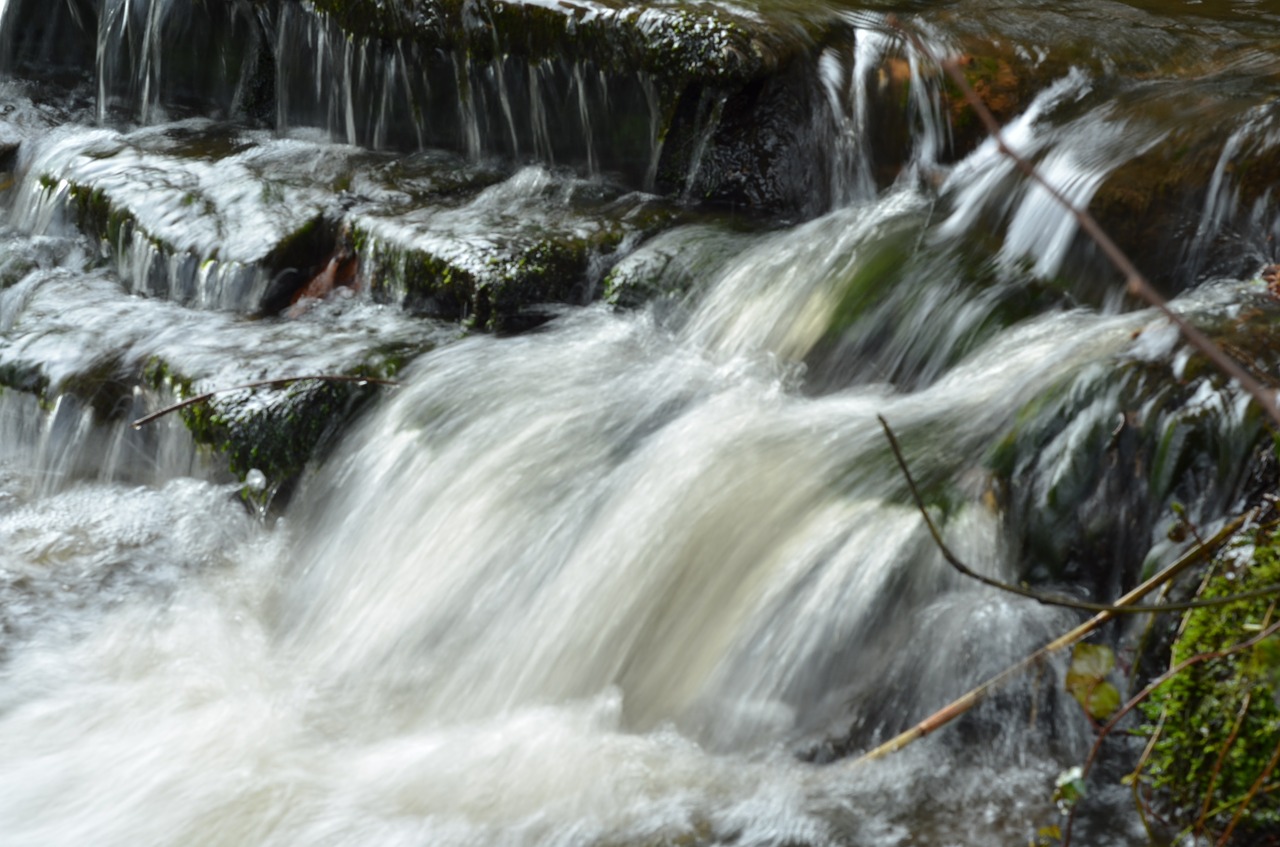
x=255 y=481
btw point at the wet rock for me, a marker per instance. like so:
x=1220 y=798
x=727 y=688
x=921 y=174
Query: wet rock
x=151 y=58
x=678 y=42
x=698 y=99
x=493 y=261
x=49 y=39
x=79 y=335
x=267 y=435
x=1200 y=202
x=753 y=147
x=1102 y=458
x=199 y=213
x=671 y=265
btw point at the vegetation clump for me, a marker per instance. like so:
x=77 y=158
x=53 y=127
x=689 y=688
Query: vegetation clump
x=1214 y=726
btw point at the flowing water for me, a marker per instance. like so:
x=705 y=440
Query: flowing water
x=640 y=576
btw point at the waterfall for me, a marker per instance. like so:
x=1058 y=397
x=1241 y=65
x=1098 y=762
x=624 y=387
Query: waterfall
x=609 y=547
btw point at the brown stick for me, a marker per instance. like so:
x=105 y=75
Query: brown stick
x=266 y=383
x=1135 y=282
x=1241 y=714
x=976 y=695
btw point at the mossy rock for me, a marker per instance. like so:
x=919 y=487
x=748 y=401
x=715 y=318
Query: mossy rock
x=275 y=430
x=493 y=262
x=202 y=213
x=672 y=264
x=1215 y=725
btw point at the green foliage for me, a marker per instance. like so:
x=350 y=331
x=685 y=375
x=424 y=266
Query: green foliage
x=1227 y=703
x=1087 y=680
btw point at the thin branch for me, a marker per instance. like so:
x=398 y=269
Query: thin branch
x=266 y=383
x=1051 y=599
x=1241 y=714
x=1248 y=798
x=1224 y=806
x=976 y=695
x=1144 y=809
x=1135 y=282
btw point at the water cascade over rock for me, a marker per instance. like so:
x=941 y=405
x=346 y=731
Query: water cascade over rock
x=600 y=541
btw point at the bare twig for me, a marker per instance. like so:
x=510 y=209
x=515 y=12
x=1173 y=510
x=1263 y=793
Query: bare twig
x=1051 y=599
x=266 y=383
x=1241 y=714
x=976 y=695
x=1143 y=808
x=1135 y=282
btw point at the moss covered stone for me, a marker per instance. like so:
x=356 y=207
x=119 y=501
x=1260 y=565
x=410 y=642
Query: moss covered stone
x=202 y=213
x=672 y=264
x=274 y=430
x=538 y=238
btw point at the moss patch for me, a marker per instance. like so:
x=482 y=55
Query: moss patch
x=1219 y=721
x=276 y=431
x=438 y=263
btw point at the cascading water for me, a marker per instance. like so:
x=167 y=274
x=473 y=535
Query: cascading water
x=636 y=577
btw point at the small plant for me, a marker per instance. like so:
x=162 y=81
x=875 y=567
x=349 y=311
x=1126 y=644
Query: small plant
x=1215 y=763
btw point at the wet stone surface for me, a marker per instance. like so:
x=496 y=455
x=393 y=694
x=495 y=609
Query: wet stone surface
x=534 y=239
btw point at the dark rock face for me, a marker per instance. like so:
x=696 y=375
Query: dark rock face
x=203 y=58
x=697 y=101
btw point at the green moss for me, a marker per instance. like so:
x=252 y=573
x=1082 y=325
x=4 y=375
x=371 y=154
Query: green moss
x=1229 y=699
x=97 y=216
x=274 y=430
x=491 y=284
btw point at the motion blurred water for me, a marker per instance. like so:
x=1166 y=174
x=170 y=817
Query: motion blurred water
x=635 y=577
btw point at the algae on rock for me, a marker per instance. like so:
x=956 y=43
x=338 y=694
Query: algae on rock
x=1215 y=726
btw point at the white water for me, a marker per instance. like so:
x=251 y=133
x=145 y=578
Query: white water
x=595 y=585
x=591 y=585
x=593 y=611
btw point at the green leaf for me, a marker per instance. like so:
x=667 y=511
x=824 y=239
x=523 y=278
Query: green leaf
x=1086 y=680
x=1102 y=701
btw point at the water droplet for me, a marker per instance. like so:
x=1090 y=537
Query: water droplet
x=255 y=480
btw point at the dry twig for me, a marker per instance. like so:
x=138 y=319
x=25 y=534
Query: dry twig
x=266 y=383
x=976 y=695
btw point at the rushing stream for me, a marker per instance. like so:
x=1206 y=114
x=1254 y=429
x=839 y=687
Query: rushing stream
x=639 y=571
